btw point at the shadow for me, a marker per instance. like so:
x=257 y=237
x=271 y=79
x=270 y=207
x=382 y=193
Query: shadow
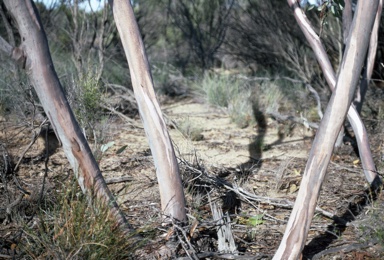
x=51 y=142
x=257 y=146
x=339 y=225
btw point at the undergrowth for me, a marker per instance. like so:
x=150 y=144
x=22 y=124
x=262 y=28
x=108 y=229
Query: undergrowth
x=227 y=92
x=74 y=228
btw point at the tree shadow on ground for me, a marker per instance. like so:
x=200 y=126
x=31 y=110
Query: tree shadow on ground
x=320 y=243
x=257 y=146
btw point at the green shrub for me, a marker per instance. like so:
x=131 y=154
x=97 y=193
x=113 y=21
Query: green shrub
x=168 y=80
x=189 y=130
x=73 y=228
x=230 y=93
x=89 y=95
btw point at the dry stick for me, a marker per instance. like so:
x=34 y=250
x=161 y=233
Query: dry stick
x=330 y=75
x=282 y=203
x=130 y=121
x=34 y=138
x=301 y=217
x=118 y=179
x=301 y=120
x=192 y=254
x=275 y=202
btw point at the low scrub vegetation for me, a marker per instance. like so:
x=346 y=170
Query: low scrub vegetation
x=70 y=227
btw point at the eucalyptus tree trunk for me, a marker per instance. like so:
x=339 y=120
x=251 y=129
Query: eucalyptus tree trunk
x=371 y=55
x=357 y=124
x=33 y=54
x=301 y=217
x=167 y=169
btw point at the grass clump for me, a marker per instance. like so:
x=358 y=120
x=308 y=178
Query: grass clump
x=245 y=98
x=218 y=89
x=73 y=228
x=189 y=130
x=89 y=95
x=230 y=93
x=168 y=80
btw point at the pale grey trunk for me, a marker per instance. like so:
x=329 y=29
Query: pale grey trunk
x=330 y=75
x=301 y=217
x=38 y=64
x=167 y=169
x=367 y=73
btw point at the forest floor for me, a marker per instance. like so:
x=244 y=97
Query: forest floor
x=252 y=173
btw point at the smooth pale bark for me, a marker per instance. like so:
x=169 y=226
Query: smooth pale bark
x=330 y=75
x=347 y=19
x=167 y=169
x=368 y=70
x=301 y=217
x=34 y=52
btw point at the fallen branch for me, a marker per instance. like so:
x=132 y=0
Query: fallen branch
x=118 y=179
x=301 y=120
x=204 y=176
x=128 y=120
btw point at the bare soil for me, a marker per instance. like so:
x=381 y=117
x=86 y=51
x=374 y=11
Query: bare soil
x=265 y=159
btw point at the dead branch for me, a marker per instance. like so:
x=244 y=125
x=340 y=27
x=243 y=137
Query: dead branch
x=302 y=120
x=5 y=46
x=218 y=182
x=217 y=255
x=128 y=120
x=191 y=251
x=118 y=179
x=33 y=140
x=226 y=242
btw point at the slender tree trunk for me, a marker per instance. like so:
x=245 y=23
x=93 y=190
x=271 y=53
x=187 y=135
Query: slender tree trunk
x=330 y=75
x=167 y=169
x=301 y=217
x=368 y=69
x=34 y=52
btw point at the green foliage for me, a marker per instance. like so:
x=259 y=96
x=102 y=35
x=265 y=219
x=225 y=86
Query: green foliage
x=168 y=80
x=371 y=225
x=217 y=89
x=255 y=220
x=73 y=228
x=189 y=130
x=272 y=96
x=220 y=90
x=89 y=95
x=3 y=101
x=228 y=92
x=334 y=6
